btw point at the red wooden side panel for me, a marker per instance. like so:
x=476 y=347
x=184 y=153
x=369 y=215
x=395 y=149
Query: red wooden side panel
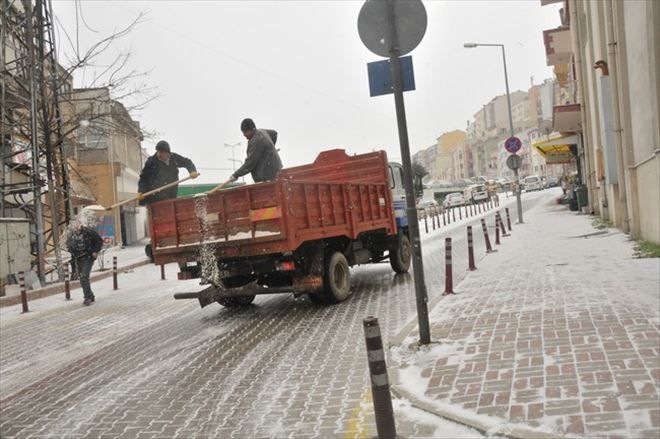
x=337 y=166
x=337 y=195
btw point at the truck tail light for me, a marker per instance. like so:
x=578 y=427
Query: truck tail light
x=286 y=266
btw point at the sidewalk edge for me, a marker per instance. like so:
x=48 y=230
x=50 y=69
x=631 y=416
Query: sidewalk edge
x=58 y=288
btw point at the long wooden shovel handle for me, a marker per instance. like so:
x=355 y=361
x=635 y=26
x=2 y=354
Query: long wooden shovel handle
x=151 y=192
x=218 y=187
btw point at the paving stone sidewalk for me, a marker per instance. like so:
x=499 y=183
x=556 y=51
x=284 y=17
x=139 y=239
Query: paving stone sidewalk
x=557 y=332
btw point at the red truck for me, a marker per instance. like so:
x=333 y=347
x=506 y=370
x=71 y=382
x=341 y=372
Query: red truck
x=297 y=234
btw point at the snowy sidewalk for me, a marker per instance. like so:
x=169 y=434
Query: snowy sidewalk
x=556 y=334
x=128 y=258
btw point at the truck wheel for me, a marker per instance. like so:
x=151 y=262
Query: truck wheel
x=336 y=279
x=149 y=252
x=401 y=256
x=236 y=302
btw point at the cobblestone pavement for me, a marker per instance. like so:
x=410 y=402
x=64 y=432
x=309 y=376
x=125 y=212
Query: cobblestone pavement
x=559 y=330
x=139 y=364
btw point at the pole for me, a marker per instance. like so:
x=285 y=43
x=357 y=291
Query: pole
x=508 y=102
x=449 y=278
x=411 y=211
x=508 y=219
x=380 y=385
x=21 y=283
x=114 y=273
x=471 y=265
x=162 y=271
x=67 y=284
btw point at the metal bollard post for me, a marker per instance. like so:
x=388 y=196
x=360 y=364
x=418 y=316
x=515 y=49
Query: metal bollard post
x=460 y=214
x=489 y=249
x=433 y=219
x=444 y=217
x=21 y=283
x=449 y=281
x=426 y=223
x=114 y=273
x=497 y=232
x=479 y=207
x=501 y=223
x=162 y=271
x=508 y=219
x=67 y=284
x=453 y=214
x=471 y=265
x=380 y=385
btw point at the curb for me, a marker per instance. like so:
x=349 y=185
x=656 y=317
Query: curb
x=58 y=288
x=498 y=426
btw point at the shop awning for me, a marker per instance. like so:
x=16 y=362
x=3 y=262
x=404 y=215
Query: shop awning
x=557 y=149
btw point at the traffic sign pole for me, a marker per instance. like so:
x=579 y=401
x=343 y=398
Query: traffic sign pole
x=411 y=211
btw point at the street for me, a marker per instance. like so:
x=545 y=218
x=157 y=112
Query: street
x=139 y=364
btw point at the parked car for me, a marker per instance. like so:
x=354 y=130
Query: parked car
x=532 y=183
x=454 y=199
x=427 y=202
x=552 y=181
x=475 y=193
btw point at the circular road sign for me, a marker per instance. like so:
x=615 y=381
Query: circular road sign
x=512 y=144
x=514 y=161
x=374 y=28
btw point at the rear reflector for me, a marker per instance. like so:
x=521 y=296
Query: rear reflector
x=286 y=266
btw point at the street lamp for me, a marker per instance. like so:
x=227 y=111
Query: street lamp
x=508 y=101
x=233 y=159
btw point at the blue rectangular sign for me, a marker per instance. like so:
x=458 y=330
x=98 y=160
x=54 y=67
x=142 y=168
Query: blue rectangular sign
x=380 y=76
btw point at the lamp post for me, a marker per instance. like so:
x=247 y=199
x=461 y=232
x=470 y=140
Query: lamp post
x=508 y=102
x=233 y=159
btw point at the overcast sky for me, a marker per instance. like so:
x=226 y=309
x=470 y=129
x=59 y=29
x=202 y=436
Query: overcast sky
x=299 y=67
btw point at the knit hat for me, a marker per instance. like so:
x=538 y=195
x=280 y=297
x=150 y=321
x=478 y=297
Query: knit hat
x=163 y=146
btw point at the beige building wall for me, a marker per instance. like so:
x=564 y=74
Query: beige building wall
x=623 y=154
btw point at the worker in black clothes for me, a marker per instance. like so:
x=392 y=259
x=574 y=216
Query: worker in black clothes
x=262 y=161
x=160 y=169
x=84 y=244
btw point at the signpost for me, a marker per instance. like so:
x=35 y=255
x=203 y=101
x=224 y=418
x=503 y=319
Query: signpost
x=392 y=28
x=512 y=144
x=513 y=162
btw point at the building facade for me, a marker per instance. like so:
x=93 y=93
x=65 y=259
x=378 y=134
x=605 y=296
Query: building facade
x=611 y=51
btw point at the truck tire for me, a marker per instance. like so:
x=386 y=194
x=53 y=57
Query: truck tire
x=401 y=256
x=236 y=302
x=336 y=279
x=149 y=252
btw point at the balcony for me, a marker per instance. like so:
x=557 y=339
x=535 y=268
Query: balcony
x=558 y=46
x=567 y=118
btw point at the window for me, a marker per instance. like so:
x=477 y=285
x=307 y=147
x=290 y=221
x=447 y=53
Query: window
x=92 y=136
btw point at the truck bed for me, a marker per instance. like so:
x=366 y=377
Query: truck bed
x=337 y=195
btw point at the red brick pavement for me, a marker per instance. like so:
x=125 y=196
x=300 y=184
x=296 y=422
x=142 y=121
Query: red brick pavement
x=554 y=332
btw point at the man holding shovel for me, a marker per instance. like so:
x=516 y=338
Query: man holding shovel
x=161 y=169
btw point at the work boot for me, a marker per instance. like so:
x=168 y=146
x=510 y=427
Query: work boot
x=87 y=301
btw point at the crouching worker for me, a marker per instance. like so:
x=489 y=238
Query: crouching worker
x=84 y=244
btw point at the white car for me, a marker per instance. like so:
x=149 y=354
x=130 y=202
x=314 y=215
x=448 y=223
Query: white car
x=454 y=199
x=532 y=183
x=427 y=202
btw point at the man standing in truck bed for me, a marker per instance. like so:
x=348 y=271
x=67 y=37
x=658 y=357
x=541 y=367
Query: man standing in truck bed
x=263 y=161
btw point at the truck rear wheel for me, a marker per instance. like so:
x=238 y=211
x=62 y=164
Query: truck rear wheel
x=401 y=256
x=336 y=279
x=236 y=302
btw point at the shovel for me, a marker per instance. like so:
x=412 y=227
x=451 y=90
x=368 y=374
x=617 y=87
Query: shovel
x=218 y=187
x=146 y=194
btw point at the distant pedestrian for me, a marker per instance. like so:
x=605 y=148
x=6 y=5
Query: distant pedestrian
x=564 y=184
x=262 y=161
x=84 y=244
x=160 y=169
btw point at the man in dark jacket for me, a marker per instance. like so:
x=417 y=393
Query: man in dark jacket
x=84 y=244
x=160 y=169
x=262 y=161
